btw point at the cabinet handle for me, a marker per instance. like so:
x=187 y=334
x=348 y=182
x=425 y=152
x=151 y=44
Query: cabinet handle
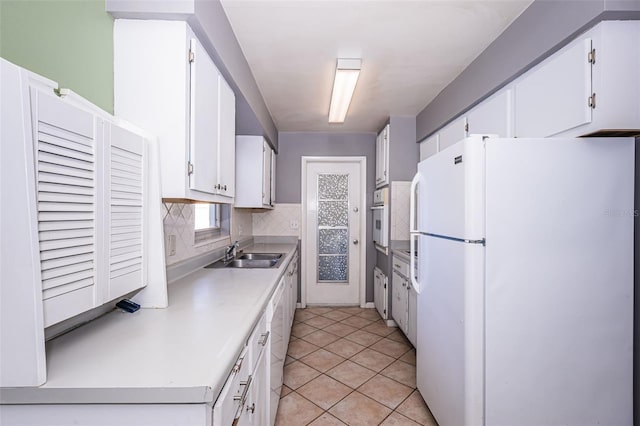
x=224 y=187
x=243 y=398
x=396 y=266
x=265 y=337
x=252 y=408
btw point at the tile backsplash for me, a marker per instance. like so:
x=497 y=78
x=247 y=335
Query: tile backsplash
x=283 y=220
x=400 y=192
x=179 y=222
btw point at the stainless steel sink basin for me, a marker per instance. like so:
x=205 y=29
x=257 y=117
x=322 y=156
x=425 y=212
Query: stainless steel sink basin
x=251 y=260
x=260 y=256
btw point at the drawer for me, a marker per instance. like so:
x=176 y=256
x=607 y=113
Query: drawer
x=234 y=392
x=258 y=340
x=401 y=265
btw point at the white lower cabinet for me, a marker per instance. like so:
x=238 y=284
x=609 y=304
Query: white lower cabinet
x=278 y=348
x=405 y=298
x=252 y=392
x=380 y=292
x=400 y=299
x=412 y=316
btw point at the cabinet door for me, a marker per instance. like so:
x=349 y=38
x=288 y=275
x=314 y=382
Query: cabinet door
x=554 y=97
x=266 y=176
x=67 y=163
x=227 y=142
x=452 y=133
x=429 y=147
x=412 y=317
x=379 y=161
x=125 y=177
x=203 y=140
x=380 y=293
x=399 y=306
x=278 y=351
x=273 y=177
x=382 y=157
x=492 y=116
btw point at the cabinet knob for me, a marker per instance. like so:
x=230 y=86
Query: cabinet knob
x=355 y=242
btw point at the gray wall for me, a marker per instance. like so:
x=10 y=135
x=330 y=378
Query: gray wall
x=540 y=30
x=403 y=153
x=293 y=146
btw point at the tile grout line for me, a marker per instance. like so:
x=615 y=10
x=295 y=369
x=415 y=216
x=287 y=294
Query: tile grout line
x=385 y=336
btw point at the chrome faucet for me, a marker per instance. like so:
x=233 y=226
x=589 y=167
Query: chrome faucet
x=230 y=253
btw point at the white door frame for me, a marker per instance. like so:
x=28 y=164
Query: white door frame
x=362 y=161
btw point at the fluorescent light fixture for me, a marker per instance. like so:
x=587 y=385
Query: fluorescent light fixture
x=347 y=72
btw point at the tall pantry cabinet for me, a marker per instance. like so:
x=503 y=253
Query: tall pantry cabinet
x=165 y=81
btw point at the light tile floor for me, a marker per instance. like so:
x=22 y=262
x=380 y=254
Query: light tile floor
x=345 y=366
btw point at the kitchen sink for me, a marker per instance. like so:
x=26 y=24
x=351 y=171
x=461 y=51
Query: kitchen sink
x=260 y=256
x=251 y=261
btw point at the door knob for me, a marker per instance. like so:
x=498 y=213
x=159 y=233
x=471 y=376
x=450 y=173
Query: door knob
x=355 y=241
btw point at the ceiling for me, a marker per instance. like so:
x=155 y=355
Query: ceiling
x=410 y=51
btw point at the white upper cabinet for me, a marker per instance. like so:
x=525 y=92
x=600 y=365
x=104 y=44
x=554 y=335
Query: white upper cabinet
x=615 y=79
x=590 y=87
x=203 y=143
x=382 y=157
x=165 y=82
x=555 y=96
x=429 y=147
x=493 y=116
x=452 y=133
x=227 y=147
x=254 y=172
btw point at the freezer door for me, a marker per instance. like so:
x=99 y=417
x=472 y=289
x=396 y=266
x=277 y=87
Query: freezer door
x=451 y=191
x=559 y=295
x=449 y=350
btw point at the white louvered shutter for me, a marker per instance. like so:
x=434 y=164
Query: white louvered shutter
x=126 y=170
x=66 y=182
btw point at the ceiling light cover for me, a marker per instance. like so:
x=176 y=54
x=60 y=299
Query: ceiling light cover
x=347 y=72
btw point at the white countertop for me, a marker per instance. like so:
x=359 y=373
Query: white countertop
x=180 y=354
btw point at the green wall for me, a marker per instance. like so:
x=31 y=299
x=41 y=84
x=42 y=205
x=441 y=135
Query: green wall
x=68 y=41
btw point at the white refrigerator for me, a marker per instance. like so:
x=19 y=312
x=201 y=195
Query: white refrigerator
x=525 y=281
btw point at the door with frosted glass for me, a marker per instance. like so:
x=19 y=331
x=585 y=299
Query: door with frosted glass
x=333 y=219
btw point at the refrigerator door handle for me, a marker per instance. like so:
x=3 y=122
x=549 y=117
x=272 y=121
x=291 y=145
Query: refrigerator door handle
x=412 y=206
x=412 y=262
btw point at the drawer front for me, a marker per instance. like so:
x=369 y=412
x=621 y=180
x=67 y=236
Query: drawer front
x=258 y=340
x=234 y=391
x=401 y=265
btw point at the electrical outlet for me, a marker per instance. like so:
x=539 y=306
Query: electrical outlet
x=294 y=224
x=172 y=245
